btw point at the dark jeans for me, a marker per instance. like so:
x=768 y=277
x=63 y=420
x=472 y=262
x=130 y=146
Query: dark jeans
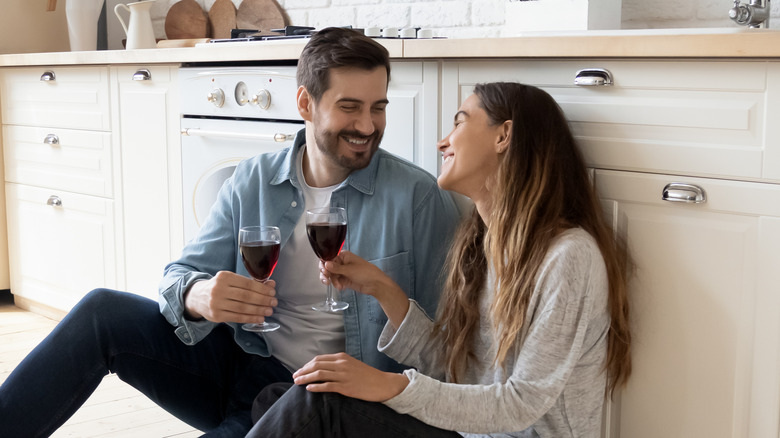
x=210 y=385
x=300 y=413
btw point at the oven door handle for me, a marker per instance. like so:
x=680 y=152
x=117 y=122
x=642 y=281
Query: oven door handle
x=197 y=132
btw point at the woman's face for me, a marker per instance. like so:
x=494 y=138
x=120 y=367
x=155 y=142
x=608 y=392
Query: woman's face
x=470 y=153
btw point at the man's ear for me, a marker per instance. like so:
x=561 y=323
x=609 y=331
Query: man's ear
x=504 y=136
x=305 y=103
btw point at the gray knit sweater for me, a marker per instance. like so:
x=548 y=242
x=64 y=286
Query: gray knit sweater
x=554 y=380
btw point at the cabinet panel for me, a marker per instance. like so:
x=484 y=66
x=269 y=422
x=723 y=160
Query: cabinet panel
x=151 y=175
x=75 y=97
x=687 y=118
x=701 y=307
x=76 y=161
x=59 y=253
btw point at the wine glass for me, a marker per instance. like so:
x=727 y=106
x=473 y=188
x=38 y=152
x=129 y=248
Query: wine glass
x=327 y=228
x=259 y=247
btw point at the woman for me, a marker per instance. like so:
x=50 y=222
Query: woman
x=532 y=331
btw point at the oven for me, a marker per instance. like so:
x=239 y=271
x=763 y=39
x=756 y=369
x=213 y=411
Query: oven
x=228 y=114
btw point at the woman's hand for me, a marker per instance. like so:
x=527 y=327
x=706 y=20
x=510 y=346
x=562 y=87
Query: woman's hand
x=348 y=271
x=348 y=376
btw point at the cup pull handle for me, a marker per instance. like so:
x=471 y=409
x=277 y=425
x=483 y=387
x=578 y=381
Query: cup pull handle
x=142 y=75
x=680 y=192
x=48 y=76
x=52 y=139
x=54 y=201
x=593 y=77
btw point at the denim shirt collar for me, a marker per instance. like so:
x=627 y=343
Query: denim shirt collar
x=363 y=180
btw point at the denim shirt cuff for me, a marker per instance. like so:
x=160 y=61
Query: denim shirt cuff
x=172 y=308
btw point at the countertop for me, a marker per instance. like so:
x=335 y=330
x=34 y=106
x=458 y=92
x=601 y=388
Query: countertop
x=659 y=43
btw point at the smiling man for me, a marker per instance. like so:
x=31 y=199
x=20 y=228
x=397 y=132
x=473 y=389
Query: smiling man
x=188 y=353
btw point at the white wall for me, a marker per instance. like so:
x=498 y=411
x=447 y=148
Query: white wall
x=477 y=18
x=26 y=27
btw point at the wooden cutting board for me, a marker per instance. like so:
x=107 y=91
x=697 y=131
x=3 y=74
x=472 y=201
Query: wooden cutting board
x=185 y=20
x=262 y=15
x=222 y=18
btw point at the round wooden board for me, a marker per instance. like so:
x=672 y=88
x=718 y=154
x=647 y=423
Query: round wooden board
x=186 y=19
x=262 y=15
x=222 y=18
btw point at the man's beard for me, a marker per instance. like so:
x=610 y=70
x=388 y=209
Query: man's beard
x=328 y=144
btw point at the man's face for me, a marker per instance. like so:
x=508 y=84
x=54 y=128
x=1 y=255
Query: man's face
x=349 y=119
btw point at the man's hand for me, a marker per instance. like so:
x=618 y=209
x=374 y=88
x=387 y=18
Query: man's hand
x=229 y=297
x=348 y=376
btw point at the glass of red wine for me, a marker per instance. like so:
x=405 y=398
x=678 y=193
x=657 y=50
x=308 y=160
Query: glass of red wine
x=259 y=247
x=327 y=228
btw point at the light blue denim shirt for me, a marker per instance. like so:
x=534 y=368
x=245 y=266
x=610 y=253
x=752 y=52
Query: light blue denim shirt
x=398 y=217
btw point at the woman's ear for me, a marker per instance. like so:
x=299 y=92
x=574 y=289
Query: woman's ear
x=305 y=103
x=504 y=136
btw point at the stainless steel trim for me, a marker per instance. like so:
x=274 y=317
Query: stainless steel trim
x=593 y=77
x=54 y=201
x=52 y=139
x=197 y=132
x=681 y=192
x=142 y=75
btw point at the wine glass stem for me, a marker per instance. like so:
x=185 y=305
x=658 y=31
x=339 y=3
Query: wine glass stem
x=329 y=298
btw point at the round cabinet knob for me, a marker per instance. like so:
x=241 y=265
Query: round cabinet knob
x=54 y=201
x=217 y=97
x=262 y=99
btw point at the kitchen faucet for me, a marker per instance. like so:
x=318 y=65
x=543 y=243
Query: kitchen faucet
x=753 y=15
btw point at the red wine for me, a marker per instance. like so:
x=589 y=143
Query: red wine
x=260 y=258
x=326 y=239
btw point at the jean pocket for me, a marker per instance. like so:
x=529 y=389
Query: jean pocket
x=399 y=268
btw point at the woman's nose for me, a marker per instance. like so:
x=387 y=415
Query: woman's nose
x=443 y=143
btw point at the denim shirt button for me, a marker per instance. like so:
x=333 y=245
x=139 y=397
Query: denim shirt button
x=293 y=204
x=248 y=344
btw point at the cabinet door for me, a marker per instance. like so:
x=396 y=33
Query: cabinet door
x=151 y=175
x=412 y=114
x=704 y=300
x=62 y=244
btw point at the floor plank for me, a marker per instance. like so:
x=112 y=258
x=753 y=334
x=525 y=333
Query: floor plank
x=114 y=410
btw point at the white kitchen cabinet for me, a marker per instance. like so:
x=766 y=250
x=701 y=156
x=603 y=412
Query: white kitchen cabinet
x=704 y=302
x=60 y=183
x=147 y=117
x=61 y=245
x=413 y=95
x=705 y=294
x=676 y=117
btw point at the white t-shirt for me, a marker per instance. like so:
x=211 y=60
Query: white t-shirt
x=304 y=332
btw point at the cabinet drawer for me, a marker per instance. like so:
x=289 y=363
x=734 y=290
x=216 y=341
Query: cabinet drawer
x=73 y=97
x=64 y=159
x=58 y=253
x=682 y=117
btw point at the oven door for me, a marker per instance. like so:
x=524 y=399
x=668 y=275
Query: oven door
x=211 y=149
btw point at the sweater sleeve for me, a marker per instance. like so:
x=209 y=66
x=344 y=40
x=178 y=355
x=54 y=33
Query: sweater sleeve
x=559 y=317
x=412 y=344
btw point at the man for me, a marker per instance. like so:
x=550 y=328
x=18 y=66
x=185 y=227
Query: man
x=195 y=360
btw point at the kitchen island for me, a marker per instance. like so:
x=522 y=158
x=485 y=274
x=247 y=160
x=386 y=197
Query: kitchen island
x=679 y=127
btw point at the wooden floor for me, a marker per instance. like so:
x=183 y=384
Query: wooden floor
x=114 y=410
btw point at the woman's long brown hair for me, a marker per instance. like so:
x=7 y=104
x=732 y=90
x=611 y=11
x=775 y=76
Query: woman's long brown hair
x=541 y=187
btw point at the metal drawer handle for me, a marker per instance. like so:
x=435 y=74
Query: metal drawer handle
x=593 y=77
x=142 y=75
x=680 y=192
x=48 y=76
x=54 y=201
x=52 y=139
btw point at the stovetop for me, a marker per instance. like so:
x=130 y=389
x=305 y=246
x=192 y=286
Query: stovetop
x=299 y=32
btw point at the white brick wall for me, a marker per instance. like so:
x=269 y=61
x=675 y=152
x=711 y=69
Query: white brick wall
x=476 y=18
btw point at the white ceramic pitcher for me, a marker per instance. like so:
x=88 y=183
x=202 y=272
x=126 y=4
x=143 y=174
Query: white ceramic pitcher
x=140 y=34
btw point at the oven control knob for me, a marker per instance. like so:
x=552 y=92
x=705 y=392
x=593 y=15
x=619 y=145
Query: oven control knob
x=262 y=99
x=217 y=97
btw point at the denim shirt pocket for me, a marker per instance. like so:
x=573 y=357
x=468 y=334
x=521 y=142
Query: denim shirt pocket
x=399 y=268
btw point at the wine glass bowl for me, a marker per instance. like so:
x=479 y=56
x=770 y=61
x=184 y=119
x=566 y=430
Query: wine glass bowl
x=259 y=247
x=327 y=228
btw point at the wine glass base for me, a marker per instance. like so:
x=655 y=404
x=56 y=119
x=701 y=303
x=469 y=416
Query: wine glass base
x=330 y=306
x=261 y=328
